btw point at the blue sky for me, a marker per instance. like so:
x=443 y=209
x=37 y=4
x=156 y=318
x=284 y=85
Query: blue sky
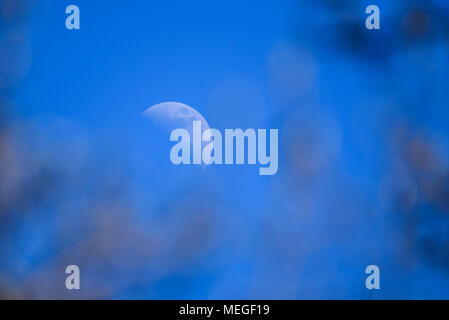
x=307 y=232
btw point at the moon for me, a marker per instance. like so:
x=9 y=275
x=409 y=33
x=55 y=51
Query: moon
x=174 y=115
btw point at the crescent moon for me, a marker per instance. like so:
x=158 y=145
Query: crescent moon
x=174 y=115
